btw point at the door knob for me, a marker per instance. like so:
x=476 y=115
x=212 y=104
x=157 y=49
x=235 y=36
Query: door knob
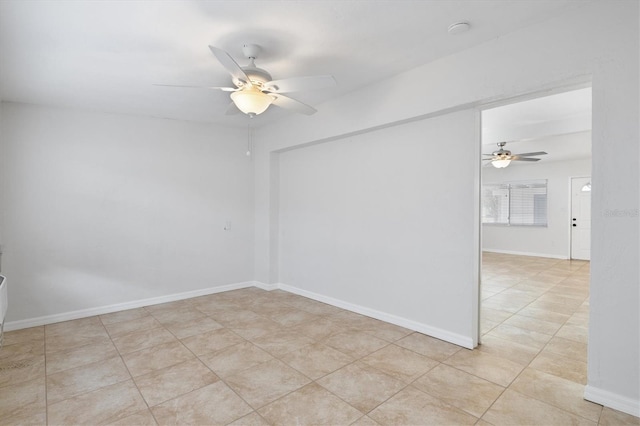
x=574 y=218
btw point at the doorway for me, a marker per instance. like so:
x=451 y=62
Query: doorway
x=581 y=218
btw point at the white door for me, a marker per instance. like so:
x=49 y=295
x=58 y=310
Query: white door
x=581 y=218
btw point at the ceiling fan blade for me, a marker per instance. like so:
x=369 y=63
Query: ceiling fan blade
x=529 y=154
x=297 y=84
x=293 y=105
x=518 y=158
x=232 y=109
x=232 y=66
x=224 y=89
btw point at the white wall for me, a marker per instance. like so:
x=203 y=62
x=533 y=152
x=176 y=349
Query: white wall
x=103 y=209
x=372 y=220
x=598 y=43
x=554 y=239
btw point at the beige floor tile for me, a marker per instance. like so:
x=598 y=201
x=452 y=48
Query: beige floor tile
x=489 y=367
x=561 y=366
x=214 y=404
x=463 y=390
x=413 y=407
x=212 y=341
x=177 y=316
x=257 y=330
x=543 y=314
x=156 y=357
x=14 y=371
x=77 y=357
x=121 y=328
x=384 y=330
x=290 y=316
x=252 y=419
x=520 y=335
x=266 y=382
x=120 y=316
x=87 y=378
x=431 y=347
x=567 y=348
x=318 y=330
x=141 y=418
x=235 y=358
x=401 y=363
x=106 y=405
x=143 y=339
x=362 y=386
x=310 y=405
x=514 y=408
x=22 y=350
x=34 y=418
x=22 y=400
x=72 y=334
x=612 y=417
x=562 y=393
x=316 y=360
x=32 y=334
x=186 y=329
x=507 y=349
x=314 y=307
x=494 y=315
x=355 y=343
x=282 y=342
x=533 y=324
x=170 y=306
x=170 y=382
x=365 y=421
x=237 y=318
x=574 y=332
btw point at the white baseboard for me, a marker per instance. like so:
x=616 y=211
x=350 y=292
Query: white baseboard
x=612 y=400
x=438 y=333
x=526 y=253
x=101 y=310
x=264 y=286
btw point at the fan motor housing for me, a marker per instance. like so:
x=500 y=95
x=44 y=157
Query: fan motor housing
x=256 y=74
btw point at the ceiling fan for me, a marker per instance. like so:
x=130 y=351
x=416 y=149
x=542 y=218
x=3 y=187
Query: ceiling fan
x=254 y=89
x=503 y=157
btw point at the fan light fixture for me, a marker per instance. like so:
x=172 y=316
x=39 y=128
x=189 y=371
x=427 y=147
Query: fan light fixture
x=501 y=164
x=251 y=100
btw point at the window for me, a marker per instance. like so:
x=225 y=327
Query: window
x=515 y=203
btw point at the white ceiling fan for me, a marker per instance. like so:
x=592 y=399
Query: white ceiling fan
x=503 y=157
x=255 y=90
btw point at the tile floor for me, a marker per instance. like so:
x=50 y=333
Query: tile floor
x=252 y=357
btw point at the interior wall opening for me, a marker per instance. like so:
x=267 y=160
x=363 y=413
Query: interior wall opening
x=535 y=257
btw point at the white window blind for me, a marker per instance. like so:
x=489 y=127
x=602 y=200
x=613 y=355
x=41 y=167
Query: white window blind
x=515 y=203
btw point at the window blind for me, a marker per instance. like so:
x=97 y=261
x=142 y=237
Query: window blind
x=521 y=203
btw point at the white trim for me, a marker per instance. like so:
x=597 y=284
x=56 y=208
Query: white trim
x=612 y=400
x=526 y=253
x=438 y=333
x=267 y=287
x=100 y=310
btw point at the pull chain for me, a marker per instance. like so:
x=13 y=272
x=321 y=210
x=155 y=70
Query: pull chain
x=249 y=139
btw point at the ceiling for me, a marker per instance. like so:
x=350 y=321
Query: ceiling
x=558 y=124
x=107 y=55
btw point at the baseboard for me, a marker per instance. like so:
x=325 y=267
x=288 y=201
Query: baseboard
x=101 y=310
x=264 y=286
x=438 y=333
x=526 y=253
x=612 y=400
